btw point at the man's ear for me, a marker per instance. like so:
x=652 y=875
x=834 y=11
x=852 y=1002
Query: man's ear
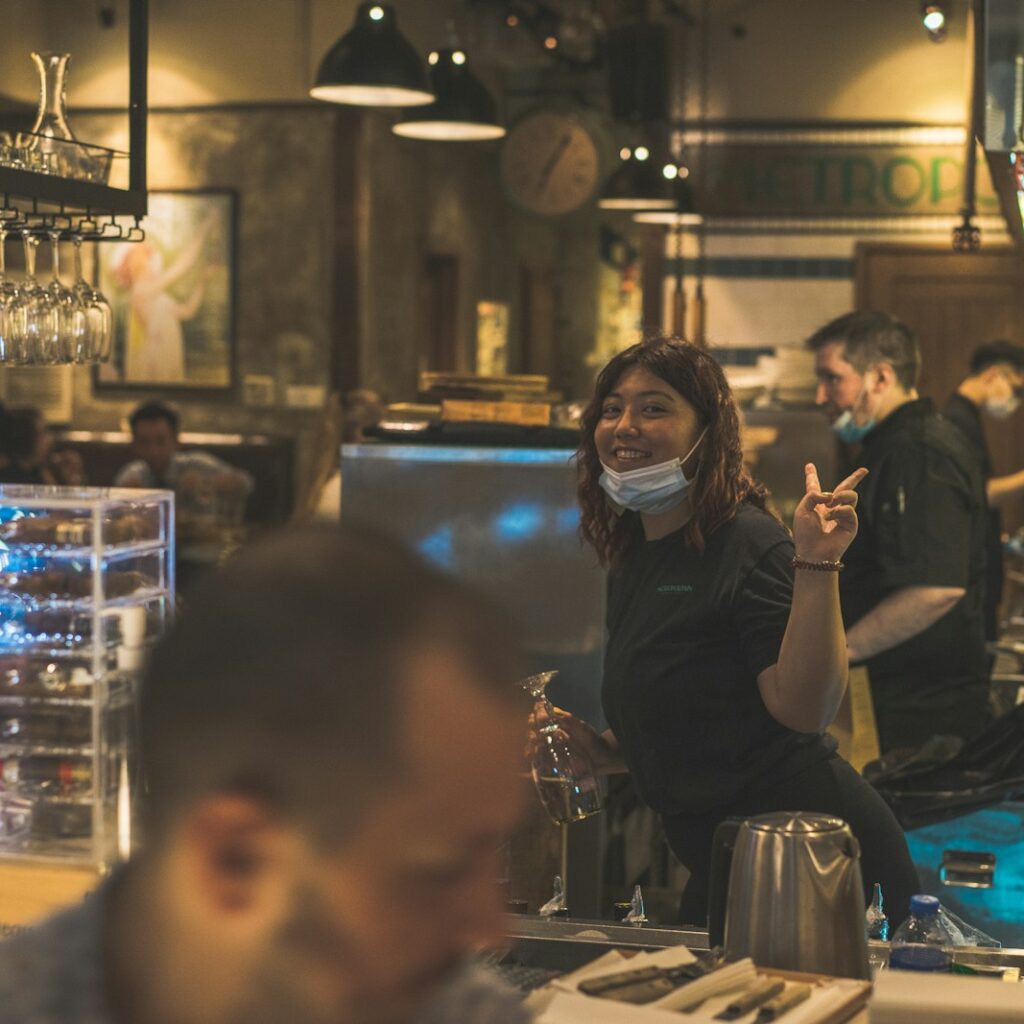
x=239 y=852
x=881 y=377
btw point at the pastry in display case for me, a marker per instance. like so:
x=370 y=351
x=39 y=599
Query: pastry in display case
x=86 y=586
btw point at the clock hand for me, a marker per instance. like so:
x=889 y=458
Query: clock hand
x=552 y=161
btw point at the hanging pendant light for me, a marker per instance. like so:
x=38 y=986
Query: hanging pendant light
x=639 y=183
x=464 y=110
x=372 y=65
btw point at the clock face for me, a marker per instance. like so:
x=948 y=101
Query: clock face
x=549 y=163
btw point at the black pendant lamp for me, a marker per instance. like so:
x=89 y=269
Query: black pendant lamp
x=639 y=183
x=372 y=65
x=464 y=110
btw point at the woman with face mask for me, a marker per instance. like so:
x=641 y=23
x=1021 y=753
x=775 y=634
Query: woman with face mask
x=726 y=656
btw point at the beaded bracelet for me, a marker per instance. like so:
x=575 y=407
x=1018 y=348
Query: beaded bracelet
x=799 y=563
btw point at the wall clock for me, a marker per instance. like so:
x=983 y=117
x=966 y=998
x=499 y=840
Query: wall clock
x=550 y=163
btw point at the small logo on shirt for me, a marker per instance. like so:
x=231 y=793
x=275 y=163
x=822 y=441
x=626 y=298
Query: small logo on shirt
x=675 y=588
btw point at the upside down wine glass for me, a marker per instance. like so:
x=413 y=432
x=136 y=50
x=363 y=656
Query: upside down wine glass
x=8 y=293
x=561 y=770
x=72 y=327
x=98 y=314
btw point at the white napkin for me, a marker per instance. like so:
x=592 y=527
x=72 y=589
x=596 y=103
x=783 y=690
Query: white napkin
x=910 y=997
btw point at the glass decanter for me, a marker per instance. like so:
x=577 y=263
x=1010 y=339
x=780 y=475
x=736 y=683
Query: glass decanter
x=561 y=770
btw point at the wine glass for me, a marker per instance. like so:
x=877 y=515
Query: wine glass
x=72 y=327
x=35 y=318
x=99 y=317
x=562 y=771
x=8 y=293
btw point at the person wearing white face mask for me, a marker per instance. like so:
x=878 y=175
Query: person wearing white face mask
x=725 y=659
x=993 y=388
x=913 y=592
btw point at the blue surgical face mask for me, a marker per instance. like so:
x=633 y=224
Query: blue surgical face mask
x=851 y=432
x=848 y=430
x=652 y=489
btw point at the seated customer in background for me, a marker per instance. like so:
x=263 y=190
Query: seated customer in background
x=160 y=463
x=26 y=451
x=331 y=770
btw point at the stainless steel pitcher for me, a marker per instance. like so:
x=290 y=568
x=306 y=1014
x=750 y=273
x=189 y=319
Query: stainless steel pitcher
x=796 y=900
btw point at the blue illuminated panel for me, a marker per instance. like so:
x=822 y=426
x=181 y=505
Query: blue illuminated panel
x=998 y=911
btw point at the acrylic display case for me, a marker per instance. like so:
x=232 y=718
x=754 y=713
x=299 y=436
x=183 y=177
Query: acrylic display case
x=86 y=586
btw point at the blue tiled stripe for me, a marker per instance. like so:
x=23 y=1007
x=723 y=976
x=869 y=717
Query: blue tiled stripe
x=769 y=267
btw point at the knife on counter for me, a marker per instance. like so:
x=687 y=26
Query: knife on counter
x=794 y=995
x=755 y=996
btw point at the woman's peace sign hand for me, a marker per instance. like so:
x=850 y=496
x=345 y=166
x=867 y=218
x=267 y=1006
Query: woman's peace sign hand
x=825 y=522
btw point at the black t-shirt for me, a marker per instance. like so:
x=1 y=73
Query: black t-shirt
x=922 y=524
x=965 y=415
x=688 y=634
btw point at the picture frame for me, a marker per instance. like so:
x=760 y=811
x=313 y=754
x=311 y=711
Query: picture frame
x=173 y=296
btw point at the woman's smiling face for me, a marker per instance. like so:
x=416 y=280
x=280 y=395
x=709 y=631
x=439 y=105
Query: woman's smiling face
x=644 y=422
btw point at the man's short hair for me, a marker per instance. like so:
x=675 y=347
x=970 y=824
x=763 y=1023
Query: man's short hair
x=282 y=678
x=997 y=353
x=154 y=411
x=871 y=338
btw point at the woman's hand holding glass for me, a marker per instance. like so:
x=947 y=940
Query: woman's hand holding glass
x=604 y=756
x=825 y=522
x=563 y=773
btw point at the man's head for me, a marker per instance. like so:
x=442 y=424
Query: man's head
x=867 y=366
x=996 y=381
x=154 y=435
x=331 y=739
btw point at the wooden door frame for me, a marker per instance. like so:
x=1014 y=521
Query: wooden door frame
x=863 y=249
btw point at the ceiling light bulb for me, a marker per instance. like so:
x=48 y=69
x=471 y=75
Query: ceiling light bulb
x=934 y=18
x=670 y=171
x=641 y=152
x=512 y=21
x=625 y=153
x=376 y=13
x=458 y=57
x=433 y=58
x=550 y=43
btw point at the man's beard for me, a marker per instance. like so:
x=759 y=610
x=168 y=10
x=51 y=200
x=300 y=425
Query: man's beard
x=310 y=939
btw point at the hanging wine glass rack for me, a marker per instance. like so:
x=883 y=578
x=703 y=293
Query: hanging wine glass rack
x=34 y=200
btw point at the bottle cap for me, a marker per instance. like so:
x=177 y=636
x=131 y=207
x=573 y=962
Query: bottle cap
x=924 y=906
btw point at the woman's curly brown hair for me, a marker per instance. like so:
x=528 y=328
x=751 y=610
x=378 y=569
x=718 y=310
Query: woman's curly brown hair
x=722 y=482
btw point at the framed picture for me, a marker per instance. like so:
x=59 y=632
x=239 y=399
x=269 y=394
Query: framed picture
x=173 y=296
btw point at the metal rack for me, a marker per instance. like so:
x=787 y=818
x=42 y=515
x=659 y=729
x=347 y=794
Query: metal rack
x=38 y=202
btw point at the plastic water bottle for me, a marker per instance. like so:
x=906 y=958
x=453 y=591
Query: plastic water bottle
x=875 y=921
x=922 y=942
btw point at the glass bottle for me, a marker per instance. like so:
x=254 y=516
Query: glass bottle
x=922 y=942
x=562 y=772
x=875 y=921
x=51 y=119
x=50 y=148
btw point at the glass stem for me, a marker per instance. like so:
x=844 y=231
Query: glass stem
x=78 y=259
x=55 y=250
x=31 y=244
x=3 y=253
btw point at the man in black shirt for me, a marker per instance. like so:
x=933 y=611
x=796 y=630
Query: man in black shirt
x=912 y=591
x=994 y=387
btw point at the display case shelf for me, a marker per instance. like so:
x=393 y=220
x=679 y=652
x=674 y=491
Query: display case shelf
x=27 y=748
x=11 y=700
x=86 y=604
x=65 y=552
